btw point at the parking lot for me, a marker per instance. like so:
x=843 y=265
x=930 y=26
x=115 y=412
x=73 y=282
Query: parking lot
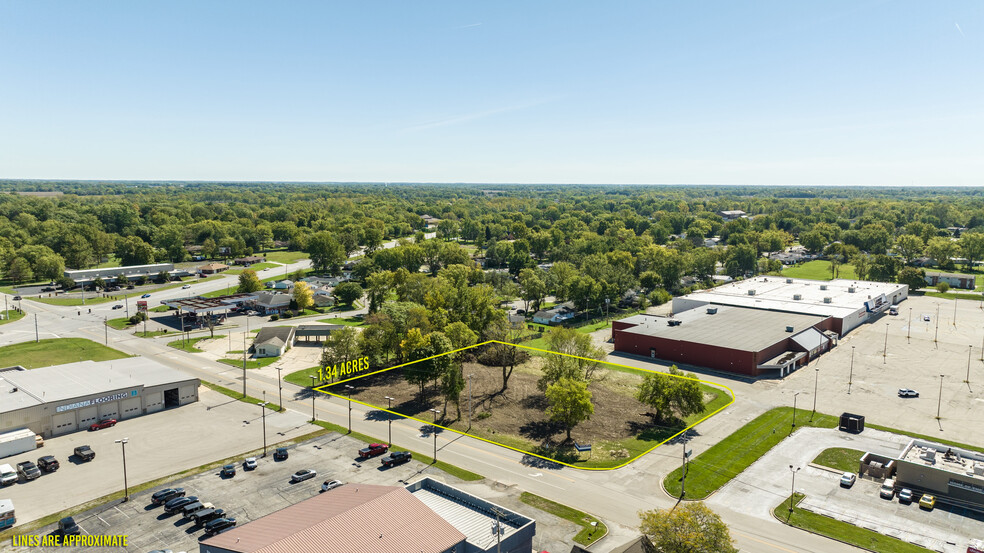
x=251 y=495
x=159 y=444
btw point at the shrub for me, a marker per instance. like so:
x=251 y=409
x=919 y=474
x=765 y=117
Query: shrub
x=659 y=297
x=287 y=315
x=942 y=287
x=274 y=317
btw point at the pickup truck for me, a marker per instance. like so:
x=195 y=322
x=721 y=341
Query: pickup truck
x=397 y=458
x=373 y=450
x=28 y=470
x=85 y=453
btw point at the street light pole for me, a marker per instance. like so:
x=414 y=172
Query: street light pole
x=313 y=417
x=850 y=379
x=970 y=351
x=263 y=407
x=349 y=393
x=908 y=331
x=816 y=381
x=937 y=335
x=939 y=403
x=794 y=409
x=885 y=349
x=280 y=386
x=792 y=490
x=126 y=487
x=244 y=352
x=389 y=419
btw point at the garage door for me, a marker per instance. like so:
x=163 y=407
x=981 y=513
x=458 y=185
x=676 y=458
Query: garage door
x=189 y=394
x=109 y=410
x=155 y=401
x=131 y=408
x=63 y=423
x=88 y=416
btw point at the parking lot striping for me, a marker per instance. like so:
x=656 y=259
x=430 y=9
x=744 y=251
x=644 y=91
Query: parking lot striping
x=117 y=507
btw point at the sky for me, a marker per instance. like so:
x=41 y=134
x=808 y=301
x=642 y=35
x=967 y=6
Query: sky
x=652 y=92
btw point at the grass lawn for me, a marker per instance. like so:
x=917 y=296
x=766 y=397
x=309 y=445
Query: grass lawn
x=160 y=309
x=189 y=345
x=347 y=321
x=149 y=334
x=818 y=269
x=11 y=316
x=838 y=530
x=57 y=351
x=300 y=377
x=250 y=363
x=588 y=534
x=968 y=295
x=238 y=395
x=255 y=267
x=843 y=459
x=286 y=257
x=111 y=261
x=725 y=460
x=461 y=473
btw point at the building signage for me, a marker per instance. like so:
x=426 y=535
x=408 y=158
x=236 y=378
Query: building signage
x=966 y=486
x=96 y=401
x=141 y=306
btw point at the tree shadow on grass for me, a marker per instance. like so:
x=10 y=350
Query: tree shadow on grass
x=540 y=431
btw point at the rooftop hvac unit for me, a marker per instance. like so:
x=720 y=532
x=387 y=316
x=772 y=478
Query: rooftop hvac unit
x=797 y=297
x=850 y=290
x=823 y=286
x=751 y=292
x=712 y=310
x=673 y=322
x=789 y=281
x=827 y=300
x=789 y=329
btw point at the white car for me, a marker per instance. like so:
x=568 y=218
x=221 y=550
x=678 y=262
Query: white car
x=249 y=463
x=848 y=479
x=186 y=286
x=905 y=392
x=330 y=485
x=905 y=495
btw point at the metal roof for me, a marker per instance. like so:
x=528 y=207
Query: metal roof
x=199 y=304
x=730 y=327
x=353 y=518
x=317 y=330
x=282 y=333
x=476 y=524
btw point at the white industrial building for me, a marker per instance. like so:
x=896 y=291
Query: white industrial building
x=52 y=401
x=849 y=303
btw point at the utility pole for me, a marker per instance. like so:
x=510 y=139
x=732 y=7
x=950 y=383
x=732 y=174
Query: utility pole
x=106 y=328
x=244 y=353
x=954 y=310
x=263 y=408
x=850 y=379
x=436 y=413
x=389 y=419
x=939 y=403
x=498 y=529
x=313 y=378
x=126 y=487
x=280 y=386
x=37 y=335
x=815 y=382
x=348 y=391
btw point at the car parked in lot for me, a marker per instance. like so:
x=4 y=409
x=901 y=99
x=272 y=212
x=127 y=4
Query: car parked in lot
x=249 y=463
x=303 y=474
x=397 y=458
x=906 y=392
x=177 y=503
x=48 y=463
x=848 y=479
x=68 y=527
x=888 y=489
x=927 y=502
x=330 y=485
x=105 y=423
x=167 y=494
x=218 y=525
x=905 y=495
x=281 y=454
x=85 y=453
x=228 y=471
x=193 y=508
x=205 y=515
x=28 y=470
x=373 y=450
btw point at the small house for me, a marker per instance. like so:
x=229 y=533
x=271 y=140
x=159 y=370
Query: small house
x=273 y=341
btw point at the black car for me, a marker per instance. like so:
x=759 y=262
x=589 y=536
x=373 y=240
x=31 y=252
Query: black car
x=397 y=458
x=218 y=525
x=205 y=515
x=85 y=453
x=67 y=527
x=176 y=504
x=228 y=471
x=167 y=494
x=280 y=454
x=48 y=463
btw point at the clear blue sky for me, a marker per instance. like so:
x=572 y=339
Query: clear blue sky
x=770 y=92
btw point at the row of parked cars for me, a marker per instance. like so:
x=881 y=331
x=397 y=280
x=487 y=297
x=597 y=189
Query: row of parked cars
x=201 y=513
x=926 y=501
x=32 y=471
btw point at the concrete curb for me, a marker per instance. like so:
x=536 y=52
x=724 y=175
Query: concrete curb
x=773 y=513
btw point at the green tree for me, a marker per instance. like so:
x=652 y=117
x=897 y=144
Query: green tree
x=327 y=253
x=578 y=357
x=49 y=267
x=341 y=346
x=77 y=252
x=249 y=282
x=534 y=288
x=19 y=270
x=570 y=403
x=942 y=248
x=908 y=246
x=664 y=394
x=377 y=286
x=132 y=250
x=303 y=295
x=914 y=277
x=813 y=240
x=348 y=292
x=942 y=286
x=972 y=246
x=687 y=528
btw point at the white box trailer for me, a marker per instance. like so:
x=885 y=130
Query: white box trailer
x=17 y=441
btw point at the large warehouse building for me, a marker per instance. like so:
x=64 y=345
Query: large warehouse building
x=52 y=401
x=849 y=303
x=760 y=326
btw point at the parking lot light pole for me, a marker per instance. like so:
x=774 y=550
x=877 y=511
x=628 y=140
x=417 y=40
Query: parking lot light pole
x=792 y=490
x=436 y=413
x=908 y=331
x=885 y=349
x=263 y=407
x=970 y=352
x=937 y=335
x=939 y=403
x=126 y=487
x=794 y=408
x=280 y=386
x=816 y=381
x=349 y=392
x=389 y=419
x=313 y=378
x=850 y=378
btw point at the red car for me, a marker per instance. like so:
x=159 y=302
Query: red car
x=373 y=450
x=105 y=423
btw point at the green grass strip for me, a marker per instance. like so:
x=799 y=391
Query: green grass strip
x=189 y=345
x=839 y=530
x=588 y=534
x=10 y=316
x=250 y=363
x=843 y=459
x=56 y=351
x=239 y=396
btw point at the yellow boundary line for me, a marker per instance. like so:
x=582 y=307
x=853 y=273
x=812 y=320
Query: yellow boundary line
x=323 y=390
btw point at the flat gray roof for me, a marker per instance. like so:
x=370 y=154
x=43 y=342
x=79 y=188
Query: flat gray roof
x=73 y=380
x=731 y=327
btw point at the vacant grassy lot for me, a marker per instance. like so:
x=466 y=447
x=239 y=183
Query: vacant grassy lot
x=189 y=345
x=588 y=534
x=301 y=377
x=255 y=267
x=843 y=459
x=250 y=363
x=818 y=269
x=286 y=256
x=56 y=351
x=11 y=316
x=848 y=533
x=728 y=458
x=347 y=321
